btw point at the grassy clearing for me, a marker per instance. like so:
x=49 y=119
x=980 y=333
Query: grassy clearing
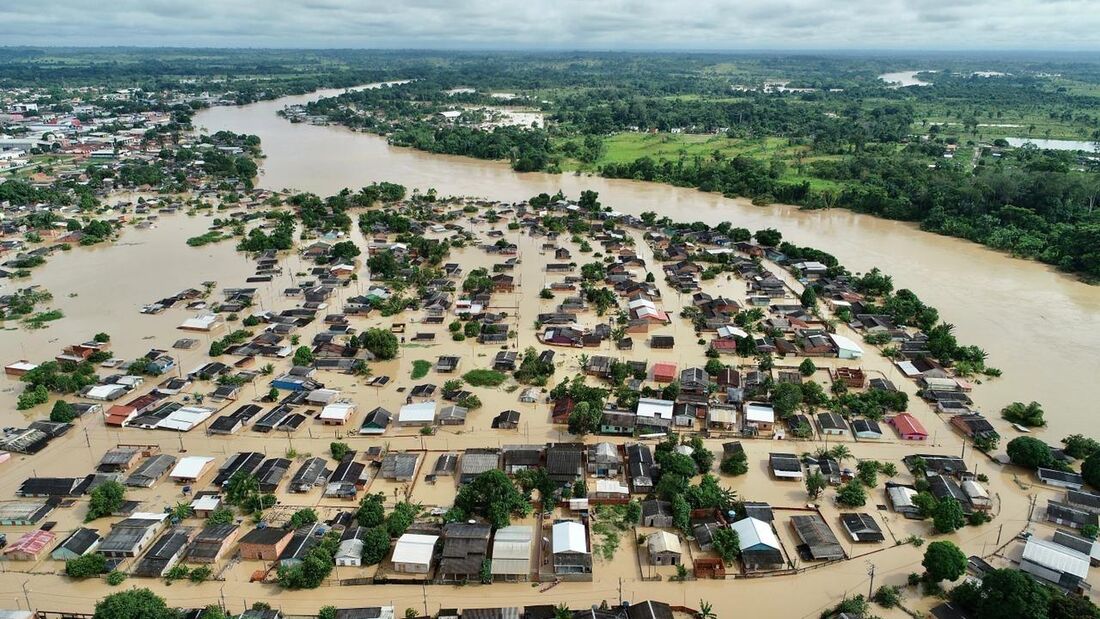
x=484 y=378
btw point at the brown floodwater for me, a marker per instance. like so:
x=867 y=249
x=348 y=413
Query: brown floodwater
x=1040 y=327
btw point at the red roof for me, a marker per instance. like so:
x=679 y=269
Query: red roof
x=723 y=344
x=32 y=542
x=908 y=425
x=664 y=370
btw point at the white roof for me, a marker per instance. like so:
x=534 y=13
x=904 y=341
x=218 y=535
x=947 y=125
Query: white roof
x=636 y=303
x=26 y=366
x=350 y=549
x=901 y=496
x=727 y=331
x=974 y=490
x=652 y=407
x=414 y=548
x=1056 y=557
x=202 y=322
x=844 y=343
x=323 y=396
x=190 y=467
x=103 y=392
x=206 y=502
x=759 y=412
x=185 y=418
x=611 y=486
x=338 y=411
x=569 y=536
x=422 y=412
x=753 y=532
x=908 y=368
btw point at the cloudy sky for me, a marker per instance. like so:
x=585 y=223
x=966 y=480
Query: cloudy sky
x=560 y=24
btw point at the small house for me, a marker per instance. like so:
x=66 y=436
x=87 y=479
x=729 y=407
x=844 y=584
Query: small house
x=664 y=548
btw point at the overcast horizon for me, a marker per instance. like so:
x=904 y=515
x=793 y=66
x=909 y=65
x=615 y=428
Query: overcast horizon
x=564 y=25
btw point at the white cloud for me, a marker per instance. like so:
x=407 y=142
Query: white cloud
x=560 y=24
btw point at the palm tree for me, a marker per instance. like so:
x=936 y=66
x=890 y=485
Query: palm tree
x=561 y=611
x=706 y=611
x=583 y=360
x=840 y=453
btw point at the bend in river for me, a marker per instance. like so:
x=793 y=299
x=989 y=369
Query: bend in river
x=1040 y=327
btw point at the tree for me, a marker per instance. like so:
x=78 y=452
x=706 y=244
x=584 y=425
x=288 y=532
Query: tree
x=62 y=412
x=339 y=449
x=807 y=367
x=106 y=499
x=585 y=419
x=1078 y=446
x=1063 y=606
x=1030 y=415
x=303 y=356
x=1090 y=469
x=380 y=342
x=372 y=511
x=706 y=611
x=1029 y=452
x=85 y=566
x=948 y=516
x=1012 y=594
x=325 y=612
x=133 y=604
x=302 y=517
x=808 y=297
x=815 y=484
x=786 y=398
x=726 y=544
x=735 y=464
x=376 y=545
x=944 y=561
x=492 y=496
x=852 y=494
x=344 y=251
x=769 y=237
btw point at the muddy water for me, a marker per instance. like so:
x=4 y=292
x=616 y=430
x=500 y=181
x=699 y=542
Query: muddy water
x=1039 y=326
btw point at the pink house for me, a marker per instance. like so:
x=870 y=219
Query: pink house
x=909 y=427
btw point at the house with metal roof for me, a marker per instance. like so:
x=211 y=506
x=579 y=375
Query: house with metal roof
x=465 y=547
x=164 y=553
x=413 y=553
x=79 y=543
x=399 y=466
x=417 y=414
x=1055 y=563
x=26 y=513
x=129 y=537
x=1069 y=516
x=785 y=466
x=818 y=540
x=30 y=546
x=474 y=462
x=311 y=474
x=150 y=471
x=376 y=421
x=760 y=547
x=639 y=463
x=862 y=527
x=512 y=549
x=664 y=548
x=569 y=547
x=265 y=543
x=212 y=543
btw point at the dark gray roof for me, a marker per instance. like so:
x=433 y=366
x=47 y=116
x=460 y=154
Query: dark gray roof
x=817 y=536
x=80 y=540
x=862 y=527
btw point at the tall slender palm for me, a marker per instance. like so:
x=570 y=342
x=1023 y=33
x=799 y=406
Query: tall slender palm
x=706 y=611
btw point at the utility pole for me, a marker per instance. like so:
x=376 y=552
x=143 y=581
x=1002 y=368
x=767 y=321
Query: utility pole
x=620 y=591
x=27 y=595
x=871 y=587
x=999 y=529
x=424 y=589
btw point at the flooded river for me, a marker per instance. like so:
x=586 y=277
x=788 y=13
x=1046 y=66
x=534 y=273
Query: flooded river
x=1039 y=326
